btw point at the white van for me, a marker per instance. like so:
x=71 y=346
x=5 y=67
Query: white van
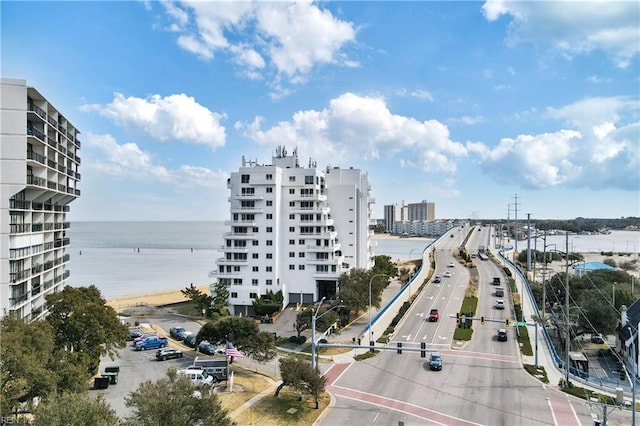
x=198 y=377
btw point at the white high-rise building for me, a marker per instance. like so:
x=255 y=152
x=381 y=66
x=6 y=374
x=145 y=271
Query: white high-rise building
x=39 y=177
x=293 y=229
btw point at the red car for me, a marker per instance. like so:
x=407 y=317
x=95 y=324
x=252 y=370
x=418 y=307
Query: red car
x=434 y=315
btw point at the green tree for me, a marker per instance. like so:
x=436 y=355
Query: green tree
x=84 y=323
x=201 y=301
x=24 y=362
x=610 y=262
x=175 y=401
x=243 y=332
x=220 y=297
x=75 y=410
x=298 y=374
x=354 y=289
x=384 y=265
x=303 y=320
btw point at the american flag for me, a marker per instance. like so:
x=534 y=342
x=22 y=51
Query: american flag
x=231 y=351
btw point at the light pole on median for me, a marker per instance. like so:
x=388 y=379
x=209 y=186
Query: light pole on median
x=314 y=317
x=371 y=343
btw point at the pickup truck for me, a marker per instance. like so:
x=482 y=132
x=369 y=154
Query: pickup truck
x=152 y=342
x=496 y=281
x=433 y=315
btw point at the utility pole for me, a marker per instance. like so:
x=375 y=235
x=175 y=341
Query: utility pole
x=529 y=242
x=566 y=307
x=515 y=223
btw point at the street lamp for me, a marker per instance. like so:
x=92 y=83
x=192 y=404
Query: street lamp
x=371 y=331
x=314 y=317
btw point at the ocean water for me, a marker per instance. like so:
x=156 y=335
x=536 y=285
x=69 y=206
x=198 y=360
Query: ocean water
x=123 y=258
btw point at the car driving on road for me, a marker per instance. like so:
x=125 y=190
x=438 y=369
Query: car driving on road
x=435 y=361
x=502 y=335
x=433 y=315
x=499 y=304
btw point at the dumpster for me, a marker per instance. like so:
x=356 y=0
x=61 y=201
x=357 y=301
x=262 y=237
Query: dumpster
x=101 y=382
x=112 y=374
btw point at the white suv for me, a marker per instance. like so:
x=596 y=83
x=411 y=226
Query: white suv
x=197 y=376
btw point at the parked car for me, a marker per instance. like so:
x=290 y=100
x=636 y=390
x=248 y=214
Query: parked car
x=134 y=333
x=502 y=335
x=141 y=338
x=198 y=377
x=210 y=349
x=190 y=341
x=152 y=342
x=168 y=353
x=175 y=331
x=499 y=304
x=433 y=315
x=597 y=338
x=435 y=361
x=183 y=335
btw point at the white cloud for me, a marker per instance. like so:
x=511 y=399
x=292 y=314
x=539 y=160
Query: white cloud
x=284 y=39
x=128 y=162
x=417 y=93
x=358 y=127
x=177 y=117
x=573 y=27
x=600 y=149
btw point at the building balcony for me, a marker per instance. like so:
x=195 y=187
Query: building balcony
x=220 y=274
x=326 y=275
x=250 y=223
x=246 y=197
x=37 y=110
x=38 y=134
x=232 y=249
x=225 y=261
x=334 y=261
x=36 y=157
x=330 y=248
x=240 y=235
x=246 y=210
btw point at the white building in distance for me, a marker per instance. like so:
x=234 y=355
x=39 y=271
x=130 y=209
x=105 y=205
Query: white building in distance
x=39 y=177
x=293 y=229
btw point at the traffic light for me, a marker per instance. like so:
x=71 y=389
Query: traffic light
x=458 y=317
x=423 y=352
x=623 y=374
x=482 y=320
x=506 y=322
x=400 y=348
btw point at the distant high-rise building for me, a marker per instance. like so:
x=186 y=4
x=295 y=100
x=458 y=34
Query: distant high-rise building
x=39 y=177
x=421 y=211
x=293 y=229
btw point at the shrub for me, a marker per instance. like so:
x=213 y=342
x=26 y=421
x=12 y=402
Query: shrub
x=302 y=339
x=293 y=339
x=321 y=340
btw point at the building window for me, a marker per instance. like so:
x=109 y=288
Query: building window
x=292 y=191
x=245 y=179
x=308 y=180
x=292 y=203
x=292 y=242
x=234 y=295
x=269 y=190
x=253 y=295
x=255 y=269
x=269 y=242
x=269 y=269
x=255 y=243
x=269 y=282
x=254 y=281
x=301 y=267
x=292 y=254
x=292 y=267
x=292 y=216
x=292 y=178
x=237 y=281
x=269 y=229
x=254 y=255
x=269 y=176
x=269 y=203
x=292 y=229
x=269 y=255
x=255 y=229
x=269 y=216
x=301 y=242
x=301 y=254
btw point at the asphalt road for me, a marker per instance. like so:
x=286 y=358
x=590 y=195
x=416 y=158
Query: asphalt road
x=482 y=382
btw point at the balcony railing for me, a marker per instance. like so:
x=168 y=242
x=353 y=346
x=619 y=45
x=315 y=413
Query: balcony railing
x=19 y=228
x=19 y=204
x=52 y=121
x=36 y=157
x=37 y=133
x=37 y=110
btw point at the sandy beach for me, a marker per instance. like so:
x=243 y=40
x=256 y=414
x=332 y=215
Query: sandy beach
x=159 y=298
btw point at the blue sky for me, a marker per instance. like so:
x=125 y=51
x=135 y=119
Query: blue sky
x=466 y=104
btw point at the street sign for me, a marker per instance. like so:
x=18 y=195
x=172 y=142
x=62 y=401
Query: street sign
x=521 y=324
